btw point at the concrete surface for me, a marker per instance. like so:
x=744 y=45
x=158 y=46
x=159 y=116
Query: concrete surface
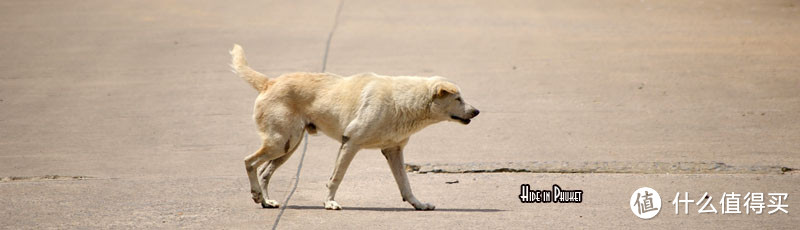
x=133 y=105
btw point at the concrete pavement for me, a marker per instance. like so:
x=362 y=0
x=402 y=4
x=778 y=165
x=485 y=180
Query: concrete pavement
x=135 y=98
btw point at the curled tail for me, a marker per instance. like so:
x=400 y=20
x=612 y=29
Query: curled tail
x=258 y=80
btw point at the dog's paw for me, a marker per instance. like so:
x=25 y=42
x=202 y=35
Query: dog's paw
x=270 y=204
x=257 y=197
x=423 y=206
x=332 y=205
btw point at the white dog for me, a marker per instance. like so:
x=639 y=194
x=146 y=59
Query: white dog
x=364 y=111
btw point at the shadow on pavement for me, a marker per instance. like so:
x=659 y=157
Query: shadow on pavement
x=398 y=209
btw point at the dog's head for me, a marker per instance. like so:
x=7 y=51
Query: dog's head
x=448 y=104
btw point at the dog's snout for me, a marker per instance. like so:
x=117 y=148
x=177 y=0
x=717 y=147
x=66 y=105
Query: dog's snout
x=475 y=112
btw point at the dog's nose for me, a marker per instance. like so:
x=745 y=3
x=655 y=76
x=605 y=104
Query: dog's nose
x=475 y=113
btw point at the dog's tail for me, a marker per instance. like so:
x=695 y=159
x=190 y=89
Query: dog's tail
x=258 y=80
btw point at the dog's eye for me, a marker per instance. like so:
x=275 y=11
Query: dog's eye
x=459 y=99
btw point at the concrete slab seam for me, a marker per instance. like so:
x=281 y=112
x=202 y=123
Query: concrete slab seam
x=305 y=144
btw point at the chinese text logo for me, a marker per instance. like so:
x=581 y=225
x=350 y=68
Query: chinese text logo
x=645 y=203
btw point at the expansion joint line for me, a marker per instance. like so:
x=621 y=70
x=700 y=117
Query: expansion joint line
x=305 y=144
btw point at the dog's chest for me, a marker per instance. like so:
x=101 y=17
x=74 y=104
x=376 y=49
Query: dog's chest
x=391 y=135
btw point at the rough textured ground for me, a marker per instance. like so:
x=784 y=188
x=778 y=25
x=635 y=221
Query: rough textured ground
x=124 y=115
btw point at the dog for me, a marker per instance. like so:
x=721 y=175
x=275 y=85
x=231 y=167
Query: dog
x=363 y=111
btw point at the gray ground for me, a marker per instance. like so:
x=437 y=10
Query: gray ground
x=131 y=104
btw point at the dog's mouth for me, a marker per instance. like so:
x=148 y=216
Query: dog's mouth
x=462 y=120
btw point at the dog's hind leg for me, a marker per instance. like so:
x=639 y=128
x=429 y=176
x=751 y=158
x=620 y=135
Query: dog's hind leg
x=265 y=173
x=269 y=151
x=251 y=162
x=394 y=156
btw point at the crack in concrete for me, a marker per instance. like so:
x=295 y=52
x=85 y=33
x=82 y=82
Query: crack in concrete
x=596 y=167
x=43 y=178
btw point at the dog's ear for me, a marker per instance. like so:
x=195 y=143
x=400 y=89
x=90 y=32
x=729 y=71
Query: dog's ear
x=443 y=89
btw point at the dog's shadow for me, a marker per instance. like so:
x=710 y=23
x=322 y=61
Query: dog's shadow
x=377 y=209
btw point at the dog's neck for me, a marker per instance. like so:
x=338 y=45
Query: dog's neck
x=412 y=118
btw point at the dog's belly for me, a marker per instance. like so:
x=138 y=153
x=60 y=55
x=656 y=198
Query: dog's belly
x=371 y=140
x=381 y=144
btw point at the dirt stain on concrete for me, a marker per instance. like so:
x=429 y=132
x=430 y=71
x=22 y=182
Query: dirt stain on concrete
x=43 y=178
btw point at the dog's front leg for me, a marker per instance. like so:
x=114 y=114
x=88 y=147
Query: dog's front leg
x=394 y=156
x=346 y=154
